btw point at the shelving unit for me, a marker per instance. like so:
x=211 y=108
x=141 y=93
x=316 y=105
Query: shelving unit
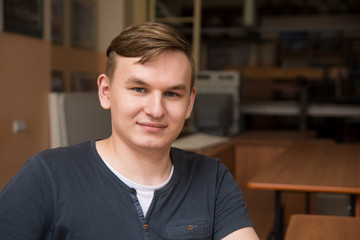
x=195 y=20
x=307 y=48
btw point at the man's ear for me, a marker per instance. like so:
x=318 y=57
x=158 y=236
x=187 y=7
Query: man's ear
x=191 y=103
x=103 y=83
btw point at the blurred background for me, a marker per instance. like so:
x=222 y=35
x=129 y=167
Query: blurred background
x=286 y=64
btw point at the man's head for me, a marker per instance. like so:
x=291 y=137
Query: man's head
x=147 y=41
x=148 y=86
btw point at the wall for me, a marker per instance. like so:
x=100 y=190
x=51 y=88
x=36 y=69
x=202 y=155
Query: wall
x=25 y=72
x=71 y=60
x=24 y=76
x=25 y=67
x=112 y=20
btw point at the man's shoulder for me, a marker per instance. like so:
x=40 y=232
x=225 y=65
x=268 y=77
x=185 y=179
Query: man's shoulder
x=68 y=154
x=188 y=161
x=184 y=155
x=65 y=150
x=62 y=162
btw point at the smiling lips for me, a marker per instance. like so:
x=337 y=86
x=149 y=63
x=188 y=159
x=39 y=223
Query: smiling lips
x=152 y=127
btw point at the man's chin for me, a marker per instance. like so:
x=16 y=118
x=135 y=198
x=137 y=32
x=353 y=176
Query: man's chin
x=155 y=142
x=151 y=144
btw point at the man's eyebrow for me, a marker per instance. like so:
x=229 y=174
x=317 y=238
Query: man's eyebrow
x=134 y=80
x=181 y=87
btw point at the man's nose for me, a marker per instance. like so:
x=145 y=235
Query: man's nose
x=155 y=105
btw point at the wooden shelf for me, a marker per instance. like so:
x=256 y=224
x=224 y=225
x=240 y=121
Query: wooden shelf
x=292 y=108
x=195 y=20
x=315 y=50
x=175 y=20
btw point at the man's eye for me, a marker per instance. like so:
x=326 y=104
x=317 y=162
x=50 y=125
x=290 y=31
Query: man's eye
x=139 y=90
x=171 y=94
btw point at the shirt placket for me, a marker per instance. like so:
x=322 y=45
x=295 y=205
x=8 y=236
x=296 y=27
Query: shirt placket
x=144 y=221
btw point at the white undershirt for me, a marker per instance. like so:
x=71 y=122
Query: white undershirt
x=144 y=193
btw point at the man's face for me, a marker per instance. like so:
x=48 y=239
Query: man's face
x=149 y=102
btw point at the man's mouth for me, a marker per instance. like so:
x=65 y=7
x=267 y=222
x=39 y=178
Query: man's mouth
x=152 y=127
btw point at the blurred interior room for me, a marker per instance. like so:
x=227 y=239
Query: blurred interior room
x=269 y=74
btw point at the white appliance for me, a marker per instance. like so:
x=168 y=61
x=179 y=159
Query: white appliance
x=220 y=82
x=76 y=117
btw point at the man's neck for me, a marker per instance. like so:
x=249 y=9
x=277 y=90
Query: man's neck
x=144 y=167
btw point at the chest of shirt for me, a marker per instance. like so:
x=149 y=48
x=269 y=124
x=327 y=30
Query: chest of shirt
x=172 y=215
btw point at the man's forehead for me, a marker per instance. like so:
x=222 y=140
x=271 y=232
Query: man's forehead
x=132 y=67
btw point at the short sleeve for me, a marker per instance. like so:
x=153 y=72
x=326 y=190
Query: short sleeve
x=25 y=204
x=231 y=212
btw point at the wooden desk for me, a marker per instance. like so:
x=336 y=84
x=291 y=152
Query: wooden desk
x=224 y=151
x=255 y=150
x=247 y=154
x=310 y=227
x=312 y=166
x=209 y=145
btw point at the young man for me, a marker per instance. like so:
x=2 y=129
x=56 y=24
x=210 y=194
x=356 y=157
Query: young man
x=132 y=185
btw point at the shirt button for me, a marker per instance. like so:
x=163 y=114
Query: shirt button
x=146 y=227
x=190 y=227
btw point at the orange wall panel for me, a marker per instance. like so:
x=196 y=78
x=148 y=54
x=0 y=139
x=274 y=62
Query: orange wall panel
x=25 y=83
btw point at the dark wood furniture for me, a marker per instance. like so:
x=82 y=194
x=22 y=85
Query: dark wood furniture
x=321 y=227
x=312 y=166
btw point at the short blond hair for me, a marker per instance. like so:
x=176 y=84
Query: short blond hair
x=147 y=40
